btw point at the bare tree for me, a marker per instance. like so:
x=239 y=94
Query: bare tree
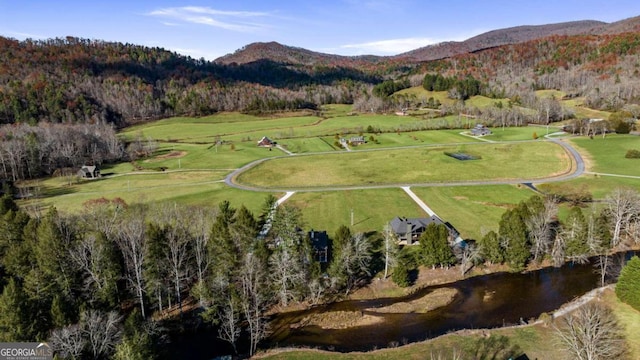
x=390 y=249
x=201 y=221
x=229 y=329
x=176 y=252
x=102 y=332
x=470 y=254
x=68 y=342
x=623 y=206
x=131 y=240
x=540 y=225
x=591 y=333
x=95 y=336
x=286 y=273
x=97 y=267
x=253 y=299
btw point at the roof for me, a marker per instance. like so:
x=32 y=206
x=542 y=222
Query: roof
x=401 y=224
x=88 y=168
x=319 y=239
x=265 y=140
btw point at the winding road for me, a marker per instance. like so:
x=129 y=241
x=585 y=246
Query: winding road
x=577 y=169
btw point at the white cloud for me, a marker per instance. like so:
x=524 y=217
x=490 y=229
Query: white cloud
x=228 y=20
x=388 y=47
x=197 y=53
x=22 y=35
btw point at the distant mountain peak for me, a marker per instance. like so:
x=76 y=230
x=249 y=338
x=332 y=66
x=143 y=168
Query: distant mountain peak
x=276 y=52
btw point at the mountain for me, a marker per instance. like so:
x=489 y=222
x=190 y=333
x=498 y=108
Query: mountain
x=279 y=53
x=512 y=35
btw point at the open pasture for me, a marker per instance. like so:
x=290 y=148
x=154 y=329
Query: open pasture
x=518 y=133
x=473 y=210
x=372 y=209
x=190 y=187
x=606 y=155
x=177 y=156
x=530 y=160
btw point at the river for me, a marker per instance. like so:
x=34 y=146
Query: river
x=487 y=301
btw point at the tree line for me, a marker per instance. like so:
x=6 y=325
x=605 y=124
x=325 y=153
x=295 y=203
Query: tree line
x=117 y=264
x=28 y=152
x=114 y=265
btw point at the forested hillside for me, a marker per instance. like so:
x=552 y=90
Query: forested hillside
x=81 y=80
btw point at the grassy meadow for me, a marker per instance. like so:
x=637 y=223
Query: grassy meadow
x=606 y=155
x=372 y=209
x=188 y=167
x=410 y=166
x=473 y=210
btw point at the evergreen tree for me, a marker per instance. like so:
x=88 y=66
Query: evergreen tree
x=435 y=247
x=491 y=249
x=575 y=234
x=628 y=286
x=513 y=235
x=14 y=311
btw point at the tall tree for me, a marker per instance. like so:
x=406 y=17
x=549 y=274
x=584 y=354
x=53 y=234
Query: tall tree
x=628 y=286
x=132 y=241
x=575 y=234
x=14 y=310
x=540 y=221
x=591 y=333
x=434 y=244
x=514 y=239
x=623 y=206
x=490 y=247
x=390 y=249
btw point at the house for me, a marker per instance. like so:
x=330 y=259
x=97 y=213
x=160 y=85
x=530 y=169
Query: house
x=266 y=142
x=357 y=140
x=89 y=172
x=480 y=130
x=320 y=246
x=408 y=230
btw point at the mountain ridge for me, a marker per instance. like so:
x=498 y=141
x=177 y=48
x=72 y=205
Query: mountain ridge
x=277 y=52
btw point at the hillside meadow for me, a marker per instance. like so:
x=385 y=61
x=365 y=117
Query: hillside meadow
x=528 y=160
x=189 y=167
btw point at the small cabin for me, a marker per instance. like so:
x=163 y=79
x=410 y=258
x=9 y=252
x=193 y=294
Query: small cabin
x=480 y=130
x=89 y=172
x=266 y=142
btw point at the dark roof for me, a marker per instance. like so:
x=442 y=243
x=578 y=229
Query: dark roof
x=401 y=224
x=319 y=239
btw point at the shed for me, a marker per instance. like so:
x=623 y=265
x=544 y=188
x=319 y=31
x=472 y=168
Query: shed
x=89 y=172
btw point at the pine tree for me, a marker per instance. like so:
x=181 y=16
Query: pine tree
x=628 y=287
x=513 y=235
x=14 y=324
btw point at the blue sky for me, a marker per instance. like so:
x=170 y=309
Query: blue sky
x=211 y=29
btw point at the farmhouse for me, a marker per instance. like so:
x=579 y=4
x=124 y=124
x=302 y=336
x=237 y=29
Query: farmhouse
x=409 y=230
x=320 y=246
x=89 y=172
x=266 y=142
x=480 y=130
x=357 y=140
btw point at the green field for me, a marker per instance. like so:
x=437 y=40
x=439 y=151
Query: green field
x=518 y=133
x=188 y=187
x=372 y=209
x=188 y=167
x=410 y=166
x=606 y=155
x=473 y=210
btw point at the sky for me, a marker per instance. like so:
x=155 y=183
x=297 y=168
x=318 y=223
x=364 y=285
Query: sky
x=210 y=29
